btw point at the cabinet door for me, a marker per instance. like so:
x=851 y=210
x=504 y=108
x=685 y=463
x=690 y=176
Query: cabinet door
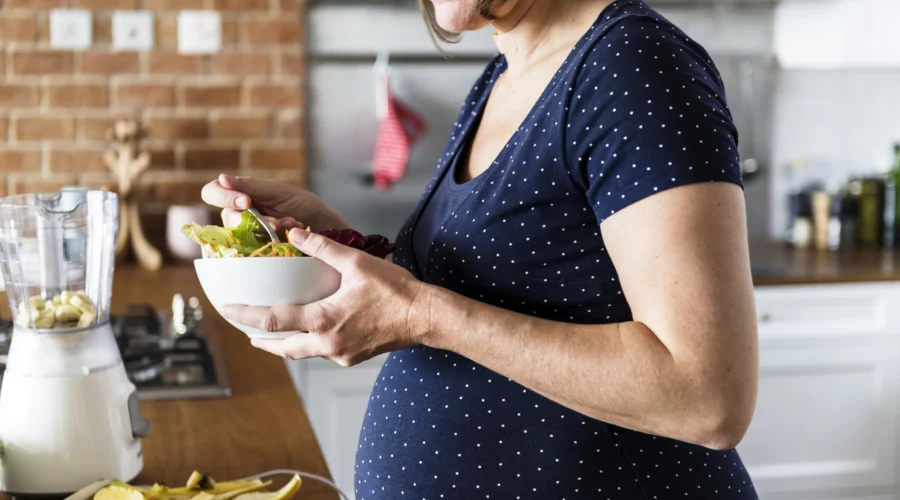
x=825 y=420
x=812 y=315
x=336 y=400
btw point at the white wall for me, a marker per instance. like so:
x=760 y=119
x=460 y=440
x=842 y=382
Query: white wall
x=843 y=122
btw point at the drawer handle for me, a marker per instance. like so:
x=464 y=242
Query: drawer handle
x=765 y=318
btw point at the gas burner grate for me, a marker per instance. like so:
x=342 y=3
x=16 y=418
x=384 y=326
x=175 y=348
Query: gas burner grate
x=164 y=359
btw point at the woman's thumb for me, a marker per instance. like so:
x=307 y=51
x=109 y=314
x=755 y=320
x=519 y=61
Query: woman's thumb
x=325 y=249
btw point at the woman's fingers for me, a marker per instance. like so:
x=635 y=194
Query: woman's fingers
x=217 y=194
x=269 y=319
x=289 y=223
x=307 y=318
x=299 y=346
x=273 y=346
x=286 y=319
x=231 y=218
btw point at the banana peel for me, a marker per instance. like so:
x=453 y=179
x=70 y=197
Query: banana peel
x=201 y=481
x=285 y=493
x=158 y=492
x=199 y=487
x=259 y=485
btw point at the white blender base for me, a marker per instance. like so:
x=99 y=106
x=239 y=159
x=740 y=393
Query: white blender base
x=62 y=433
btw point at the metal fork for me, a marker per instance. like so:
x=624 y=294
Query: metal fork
x=273 y=236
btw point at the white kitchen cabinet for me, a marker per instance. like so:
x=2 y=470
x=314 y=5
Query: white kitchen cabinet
x=817 y=315
x=826 y=421
x=335 y=399
x=825 y=425
x=822 y=418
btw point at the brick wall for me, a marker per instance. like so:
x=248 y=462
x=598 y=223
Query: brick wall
x=238 y=111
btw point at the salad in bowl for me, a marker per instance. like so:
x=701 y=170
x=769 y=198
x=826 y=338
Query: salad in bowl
x=240 y=266
x=247 y=240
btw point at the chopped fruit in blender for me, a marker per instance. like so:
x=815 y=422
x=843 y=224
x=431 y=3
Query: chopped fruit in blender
x=82 y=303
x=37 y=302
x=66 y=310
x=66 y=314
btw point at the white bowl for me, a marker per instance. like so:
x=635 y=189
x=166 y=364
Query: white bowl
x=266 y=281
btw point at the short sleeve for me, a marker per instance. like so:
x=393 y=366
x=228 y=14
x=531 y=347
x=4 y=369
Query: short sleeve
x=647 y=113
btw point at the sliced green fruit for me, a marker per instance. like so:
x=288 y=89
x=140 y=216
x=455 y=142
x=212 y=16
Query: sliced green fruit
x=285 y=493
x=159 y=492
x=256 y=486
x=120 y=484
x=226 y=486
x=118 y=493
x=198 y=480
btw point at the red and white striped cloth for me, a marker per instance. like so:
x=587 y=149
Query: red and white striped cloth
x=399 y=129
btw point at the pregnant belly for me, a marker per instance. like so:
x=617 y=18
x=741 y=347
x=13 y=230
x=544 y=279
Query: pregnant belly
x=438 y=424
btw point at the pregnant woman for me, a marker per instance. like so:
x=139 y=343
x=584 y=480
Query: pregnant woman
x=570 y=309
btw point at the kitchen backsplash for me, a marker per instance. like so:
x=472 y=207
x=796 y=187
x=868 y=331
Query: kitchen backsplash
x=239 y=110
x=841 y=122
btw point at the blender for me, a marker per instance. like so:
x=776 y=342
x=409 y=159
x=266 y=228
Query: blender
x=68 y=413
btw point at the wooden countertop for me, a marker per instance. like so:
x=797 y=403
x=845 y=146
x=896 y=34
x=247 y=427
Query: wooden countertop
x=262 y=426
x=778 y=264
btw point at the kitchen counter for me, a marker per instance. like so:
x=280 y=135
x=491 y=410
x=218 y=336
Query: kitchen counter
x=263 y=426
x=778 y=264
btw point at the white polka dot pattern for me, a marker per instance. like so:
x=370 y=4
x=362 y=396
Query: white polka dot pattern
x=637 y=108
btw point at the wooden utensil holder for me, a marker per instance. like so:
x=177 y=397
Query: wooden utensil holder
x=128 y=163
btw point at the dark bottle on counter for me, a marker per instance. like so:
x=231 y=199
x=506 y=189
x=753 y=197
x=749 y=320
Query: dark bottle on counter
x=891 y=228
x=803 y=223
x=849 y=216
x=870 y=223
x=835 y=220
x=897 y=157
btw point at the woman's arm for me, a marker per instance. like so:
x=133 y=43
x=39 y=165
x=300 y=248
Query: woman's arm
x=685 y=368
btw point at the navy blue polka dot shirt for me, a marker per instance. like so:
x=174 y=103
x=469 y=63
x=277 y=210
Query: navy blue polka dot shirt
x=637 y=108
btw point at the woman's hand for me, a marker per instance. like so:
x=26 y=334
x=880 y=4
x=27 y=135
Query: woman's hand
x=283 y=204
x=376 y=309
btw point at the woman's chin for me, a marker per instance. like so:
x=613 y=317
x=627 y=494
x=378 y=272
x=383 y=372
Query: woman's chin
x=455 y=16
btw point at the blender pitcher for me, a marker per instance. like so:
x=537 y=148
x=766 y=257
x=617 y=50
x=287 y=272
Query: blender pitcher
x=68 y=413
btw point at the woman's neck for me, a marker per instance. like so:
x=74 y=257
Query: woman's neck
x=533 y=29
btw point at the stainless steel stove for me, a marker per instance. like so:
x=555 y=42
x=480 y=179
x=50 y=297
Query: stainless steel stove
x=166 y=354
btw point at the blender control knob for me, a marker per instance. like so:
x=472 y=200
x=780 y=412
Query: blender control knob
x=140 y=426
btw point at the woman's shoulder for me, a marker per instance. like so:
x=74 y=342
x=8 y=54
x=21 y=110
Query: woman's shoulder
x=635 y=43
x=646 y=111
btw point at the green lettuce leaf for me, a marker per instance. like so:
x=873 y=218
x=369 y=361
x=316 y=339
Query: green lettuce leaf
x=216 y=240
x=238 y=241
x=247 y=230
